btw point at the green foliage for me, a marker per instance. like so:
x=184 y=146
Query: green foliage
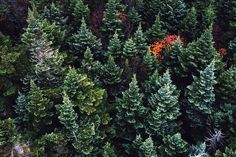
x=108 y=151
x=198 y=150
x=228 y=153
x=115 y=46
x=130 y=48
x=208 y=17
x=80 y=10
x=156 y=31
x=201 y=97
x=88 y=61
x=174 y=145
x=162 y=117
x=150 y=63
x=21 y=106
x=140 y=41
x=7 y=132
x=226 y=87
x=231 y=56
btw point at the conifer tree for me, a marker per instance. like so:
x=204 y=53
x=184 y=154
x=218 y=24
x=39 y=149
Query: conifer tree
x=88 y=61
x=227 y=153
x=189 y=25
x=84 y=38
x=80 y=10
x=140 y=41
x=150 y=63
x=22 y=104
x=129 y=110
x=39 y=109
x=145 y=148
x=111 y=21
x=149 y=9
x=174 y=145
x=156 y=31
x=198 y=54
x=231 y=55
x=208 y=17
x=115 y=46
x=226 y=87
x=7 y=132
x=108 y=151
x=130 y=48
x=164 y=108
x=200 y=96
x=152 y=84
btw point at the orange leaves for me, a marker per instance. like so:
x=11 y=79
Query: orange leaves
x=158 y=46
x=222 y=51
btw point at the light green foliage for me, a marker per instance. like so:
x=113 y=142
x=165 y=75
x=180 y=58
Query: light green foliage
x=7 y=132
x=108 y=151
x=164 y=108
x=174 y=145
x=156 y=31
x=130 y=48
x=200 y=96
x=208 y=17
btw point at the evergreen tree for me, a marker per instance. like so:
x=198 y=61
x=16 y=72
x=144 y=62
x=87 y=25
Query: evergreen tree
x=150 y=63
x=231 y=55
x=189 y=25
x=174 y=145
x=130 y=48
x=111 y=21
x=7 y=132
x=200 y=96
x=80 y=10
x=226 y=87
x=198 y=54
x=156 y=31
x=22 y=104
x=84 y=38
x=144 y=148
x=115 y=46
x=108 y=151
x=140 y=41
x=130 y=111
x=164 y=111
x=228 y=153
x=39 y=109
x=88 y=61
x=172 y=13
x=208 y=17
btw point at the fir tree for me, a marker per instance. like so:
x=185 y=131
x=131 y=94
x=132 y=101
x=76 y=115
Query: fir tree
x=174 y=145
x=80 y=10
x=140 y=41
x=7 y=132
x=130 y=48
x=156 y=31
x=197 y=55
x=39 y=109
x=88 y=61
x=189 y=25
x=226 y=87
x=22 y=104
x=129 y=110
x=111 y=21
x=200 y=96
x=150 y=63
x=115 y=46
x=108 y=151
x=84 y=38
x=164 y=111
x=208 y=17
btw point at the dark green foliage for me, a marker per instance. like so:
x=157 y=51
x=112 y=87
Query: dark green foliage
x=150 y=63
x=227 y=153
x=201 y=97
x=231 y=56
x=7 y=132
x=156 y=31
x=174 y=145
x=88 y=61
x=140 y=41
x=226 y=87
x=162 y=117
x=208 y=17
x=130 y=48
x=108 y=151
x=22 y=104
x=198 y=150
x=115 y=46
x=80 y=10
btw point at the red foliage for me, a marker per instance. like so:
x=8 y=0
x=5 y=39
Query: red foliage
x=158 y=46
x=222 y=51
x=122 y=16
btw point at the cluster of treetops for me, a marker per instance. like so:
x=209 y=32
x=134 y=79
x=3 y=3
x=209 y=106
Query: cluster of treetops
x=118 y=78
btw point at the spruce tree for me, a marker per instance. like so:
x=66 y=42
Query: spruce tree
x=189 y=25
x=226 y=86
x=140 y=41
x=156 y=31
x=174 y=145
x=198 y=54
x=201 y=97
x=115 y=46
x=111 y=21
x=130 y=49
x=130 y=111
x=150 y=63
x=39 y=109
x=164 y=108
x=84 y=38
x=7 y=133
x=88 y=61
x=208 y=17
x=80 y=10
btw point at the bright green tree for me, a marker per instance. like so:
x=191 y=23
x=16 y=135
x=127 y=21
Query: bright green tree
x=130 y=49
x=164 y=108
x=201 y=97
x=140 y=41
x=115 y=46
x=156 y=31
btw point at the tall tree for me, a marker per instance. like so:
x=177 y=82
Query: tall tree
x=140 y=41
x=130 y=49
x=115 y=46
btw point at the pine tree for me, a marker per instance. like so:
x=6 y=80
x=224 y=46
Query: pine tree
x=84 y=38
x=140 y=41
x=197 y=55
x=226 y=87
x=144 y=148
x=156 y=31
x=108 y=151
x=88 y=61
x=150 y=9
x=231 y=55
x=115 y=46
x=129 y=110
x=208 y=17
x=22 y=104
x=189 y=25
x=200 y=96
x=80 y=10
x=7 y=132
x=164 y=108
x=39 y=109
x=130 y=48
x=172 y=12
x=150 y=63
x=174 y=145
x=111 y=21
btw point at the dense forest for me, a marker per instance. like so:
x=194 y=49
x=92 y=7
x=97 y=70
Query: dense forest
x=117 y=78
